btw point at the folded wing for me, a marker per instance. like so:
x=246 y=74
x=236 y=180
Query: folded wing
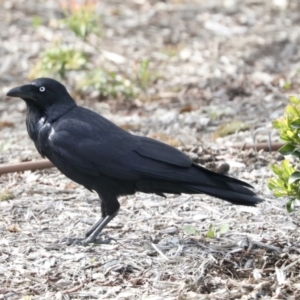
x=101 y=147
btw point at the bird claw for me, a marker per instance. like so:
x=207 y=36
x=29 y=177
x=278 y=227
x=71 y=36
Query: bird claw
x=85 y=241
x=97 y=241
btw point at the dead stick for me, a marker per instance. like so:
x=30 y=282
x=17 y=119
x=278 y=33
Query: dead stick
x=257 y=146
x=45 y=164
x=24 y=166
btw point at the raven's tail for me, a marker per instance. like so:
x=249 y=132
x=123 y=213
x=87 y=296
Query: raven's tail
x=202 y=181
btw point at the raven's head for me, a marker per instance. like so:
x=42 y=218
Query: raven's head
x=42 y=92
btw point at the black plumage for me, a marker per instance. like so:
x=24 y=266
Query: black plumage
x=102 y=157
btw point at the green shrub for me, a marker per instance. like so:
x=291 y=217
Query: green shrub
x=109 y=84
x=61 y=58
x=286 y=179
x=57 y=61
x=83 y=21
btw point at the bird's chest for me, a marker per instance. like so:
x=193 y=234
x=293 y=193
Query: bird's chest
x=40 y=132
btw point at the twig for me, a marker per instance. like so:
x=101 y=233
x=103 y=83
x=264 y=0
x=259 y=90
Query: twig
x=159 y=251
x=25 y=166
x=73 y=289
x=269 y=247
x=258 y=146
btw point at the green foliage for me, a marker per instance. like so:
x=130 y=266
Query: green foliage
x=213 y=231
x=83 y=21
x=36 y=21
x=289 y=125
x=190 y=230
x=93 y=260
x=285 y=182
x=143 y=74
x=216 y=231
x=281 y=185
x=287 y=85
x=57 y=61
x=230 y=128
x=109 y=84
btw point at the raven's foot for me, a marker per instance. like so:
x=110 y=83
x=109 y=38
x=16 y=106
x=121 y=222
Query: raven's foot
x=97 y=240
x=92 y=234
x=84 y=242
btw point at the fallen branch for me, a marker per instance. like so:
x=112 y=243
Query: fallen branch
x=258 y=146
x=25 y=166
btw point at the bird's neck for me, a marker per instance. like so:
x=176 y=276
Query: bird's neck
x=58 y=110
x=37 y=117
x=33 y=118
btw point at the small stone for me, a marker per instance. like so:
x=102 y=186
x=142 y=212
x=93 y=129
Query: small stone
x=223 y=168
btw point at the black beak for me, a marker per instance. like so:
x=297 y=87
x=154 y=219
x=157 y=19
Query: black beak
x=24 y=92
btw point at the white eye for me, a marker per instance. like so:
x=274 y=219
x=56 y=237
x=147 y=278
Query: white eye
x=42 y=89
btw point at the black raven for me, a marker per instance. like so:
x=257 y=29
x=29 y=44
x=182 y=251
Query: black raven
x=104 y=158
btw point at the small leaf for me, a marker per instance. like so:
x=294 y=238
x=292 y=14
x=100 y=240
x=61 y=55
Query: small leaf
x=290 y=134
x=272 y=185
x=296 y=153
x=189 y=229
x=287 y=149
x=211 y=231
x=223 y=228
x=294 y=177
x=285 y=137
x=36 y=21
x=287 y=85
x=288 y=170
x=280 y=193
x=292 y=110
x=276 y=169
x=294 y=100
x=278 y=124
x=290 y=205
x=295 y=124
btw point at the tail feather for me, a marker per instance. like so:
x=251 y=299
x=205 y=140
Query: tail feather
x=204 y=181
x=247 y=198
x=221 y=176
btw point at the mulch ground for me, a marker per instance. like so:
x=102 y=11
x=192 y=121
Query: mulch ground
x=214 y=62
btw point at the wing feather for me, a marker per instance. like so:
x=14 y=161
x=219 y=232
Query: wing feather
x=95 y=145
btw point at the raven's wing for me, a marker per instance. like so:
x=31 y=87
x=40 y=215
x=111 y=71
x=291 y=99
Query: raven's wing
x=95 y=145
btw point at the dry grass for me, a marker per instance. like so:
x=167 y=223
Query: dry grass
x=145 y=252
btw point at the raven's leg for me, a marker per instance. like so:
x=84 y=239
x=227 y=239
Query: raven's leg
x=110 y=208
x=92 y=229
x=99 y=226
